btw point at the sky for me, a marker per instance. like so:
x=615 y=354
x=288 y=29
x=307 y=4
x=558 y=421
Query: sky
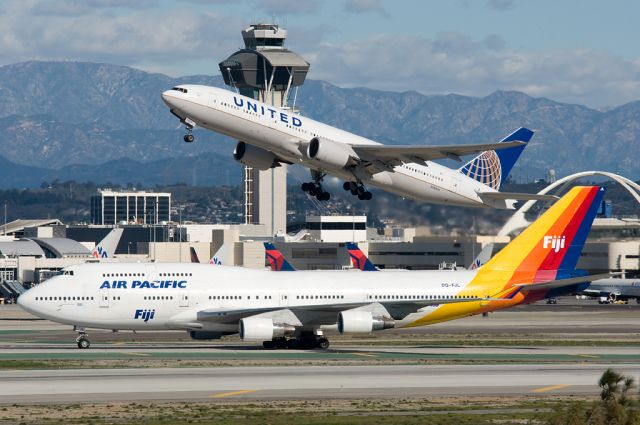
x=583 y=52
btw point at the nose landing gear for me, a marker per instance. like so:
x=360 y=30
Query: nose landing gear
x=82 y=340
x=357 y=189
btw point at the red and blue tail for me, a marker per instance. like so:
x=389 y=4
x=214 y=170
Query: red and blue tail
x=277 y=262
x=358 y=259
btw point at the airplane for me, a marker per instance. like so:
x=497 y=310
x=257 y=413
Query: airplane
x=282 y=310
x=271 y=136
x=361 y=262
x=106 y=248
x=611 y=290
x=215 y=260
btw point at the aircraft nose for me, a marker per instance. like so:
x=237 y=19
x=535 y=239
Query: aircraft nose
x=166 y=97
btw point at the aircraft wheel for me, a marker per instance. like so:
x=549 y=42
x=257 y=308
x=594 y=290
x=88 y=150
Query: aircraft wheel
x=361 y=190
x=323 y=196
x=305 y=186
x=346 y=186
x=367 y=196
x=293 y=344
x=188 y=138
x=268 y=345
x=323 y=343
x=83 y=342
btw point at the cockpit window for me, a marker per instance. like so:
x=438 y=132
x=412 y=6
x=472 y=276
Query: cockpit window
x=67 y=272
x=180 y=89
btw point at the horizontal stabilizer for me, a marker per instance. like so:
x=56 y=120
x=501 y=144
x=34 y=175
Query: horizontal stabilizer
x=564 y=282
x=515 y=196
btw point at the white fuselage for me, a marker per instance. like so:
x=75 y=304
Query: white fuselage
x=198 y=296
x=620 y=288
x=285 y=133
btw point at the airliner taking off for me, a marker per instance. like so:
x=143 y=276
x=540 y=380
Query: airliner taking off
x=288 y=310
x=270 y=137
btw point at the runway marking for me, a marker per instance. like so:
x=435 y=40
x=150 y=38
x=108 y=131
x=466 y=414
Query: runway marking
x=131 y=353
x=589 y=356
x=551 y=388
x=232 y=393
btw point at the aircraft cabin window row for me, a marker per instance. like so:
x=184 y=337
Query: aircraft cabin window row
x=319 y=297
x=175 y=274
x=237 y=297
x=64 y=298
x=123 y=275
x=420 y=297
x=423 y=172
x=158 y=297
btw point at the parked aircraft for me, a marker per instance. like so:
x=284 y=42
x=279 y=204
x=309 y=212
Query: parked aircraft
x=281 y=309
x=270 y=137
x=106 y=248
x=611 y=290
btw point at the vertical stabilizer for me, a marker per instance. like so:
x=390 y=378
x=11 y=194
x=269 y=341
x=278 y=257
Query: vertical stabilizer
x=106 y=248
x=276 y=260
x=493 y=167
x=358 y=259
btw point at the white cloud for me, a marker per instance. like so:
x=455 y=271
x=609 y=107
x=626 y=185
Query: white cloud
x=454 y=63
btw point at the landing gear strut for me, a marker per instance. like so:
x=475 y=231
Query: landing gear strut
x=314 y=188
x=306 y=341
x=82 y=340
x=358 y=189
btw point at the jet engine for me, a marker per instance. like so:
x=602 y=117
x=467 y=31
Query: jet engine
x=254 y=156
x=205 y=335
x=263 y=329
x=330 y=153
x=358 y=321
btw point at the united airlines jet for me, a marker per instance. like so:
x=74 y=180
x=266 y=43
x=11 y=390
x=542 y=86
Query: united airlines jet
x=287 y=310
x=270 y=137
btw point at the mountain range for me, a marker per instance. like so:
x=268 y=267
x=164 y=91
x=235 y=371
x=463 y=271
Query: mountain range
x=107 y=123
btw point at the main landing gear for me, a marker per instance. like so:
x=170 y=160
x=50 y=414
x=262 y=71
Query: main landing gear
x=82 y=340
x=306 y=341
x=358 y=189
x=314 y=188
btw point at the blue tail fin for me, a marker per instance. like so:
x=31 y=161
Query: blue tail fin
x=493 y=167
x=358 y=259
x=276 y=260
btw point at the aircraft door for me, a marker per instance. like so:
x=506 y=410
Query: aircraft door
x=104 y=298
x=283 y=299
x=184 y=299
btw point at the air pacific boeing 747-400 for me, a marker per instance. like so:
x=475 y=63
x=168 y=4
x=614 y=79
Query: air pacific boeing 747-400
x=294 y=309
x=270 y=137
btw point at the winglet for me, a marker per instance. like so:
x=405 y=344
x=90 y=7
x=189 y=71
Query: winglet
x=358 y=259
x=276 y=260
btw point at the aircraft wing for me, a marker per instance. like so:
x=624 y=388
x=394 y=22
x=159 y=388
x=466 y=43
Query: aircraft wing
x=399 y=154
x=563 y=282
x=515 y=196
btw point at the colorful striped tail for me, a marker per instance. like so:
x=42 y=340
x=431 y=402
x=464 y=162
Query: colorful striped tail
x=358 y=259
x=276 y=260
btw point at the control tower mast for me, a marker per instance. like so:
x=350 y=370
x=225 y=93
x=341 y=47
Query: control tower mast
x=265 y=70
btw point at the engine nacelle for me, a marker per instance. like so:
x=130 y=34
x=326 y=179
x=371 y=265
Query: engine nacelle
x=205 y=335
x=359 y=321
x=327 y=152
x=254 y=156
x=263 y=329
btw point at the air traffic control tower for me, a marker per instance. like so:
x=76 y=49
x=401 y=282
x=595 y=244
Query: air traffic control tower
x=265 y=70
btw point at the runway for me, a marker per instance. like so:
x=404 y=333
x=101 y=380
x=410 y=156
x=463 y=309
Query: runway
x=300 y=383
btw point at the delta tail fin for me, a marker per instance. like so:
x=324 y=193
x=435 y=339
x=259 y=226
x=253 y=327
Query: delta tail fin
x=106 y=248
x=358 y=259
x=548 y=250
x=276 y=260
x=493 y=167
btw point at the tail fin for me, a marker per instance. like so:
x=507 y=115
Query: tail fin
x=483 y=257
x=549 y=248
x=107 y=246
x=276 y=260
x=194 y=255
x=358 y=259
x=493 y=167
x=219 y=258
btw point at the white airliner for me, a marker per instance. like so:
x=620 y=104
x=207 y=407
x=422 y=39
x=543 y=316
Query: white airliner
x=271 y=136
x=293 y=309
